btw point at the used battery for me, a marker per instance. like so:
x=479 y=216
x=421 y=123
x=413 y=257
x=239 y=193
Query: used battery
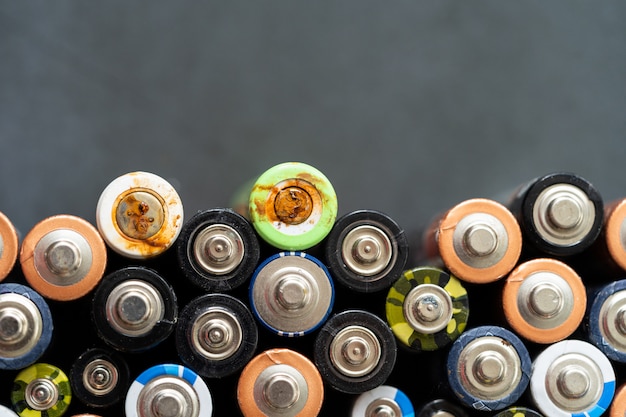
x=99 y=378
x=63 y=257
x=544 y=300
x=291 y=293
x=41 y=390
x=25 y=326
x=168 y=390
x=139 y=215
x=134 y=309
x=441 y=408
x=9 y=246
x=518 y=412
x=280 y=383
x=488 y=368
x=216 y=335
x=384 y=400
x=572 y=378
x=355 y=351
x=606 y=320
x=561 y=214
x=366 y=250
x=218 y=250
x=427 y=308
x=478 y=240
x=293 y=206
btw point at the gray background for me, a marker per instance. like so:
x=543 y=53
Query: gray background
x=408 y=107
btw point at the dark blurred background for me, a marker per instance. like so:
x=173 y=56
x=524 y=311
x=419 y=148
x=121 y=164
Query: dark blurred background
x=407 y=107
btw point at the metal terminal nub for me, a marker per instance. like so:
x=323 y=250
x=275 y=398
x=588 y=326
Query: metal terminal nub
x=443 y=413
x=563 y=214
x=545 y=300
x=293 y=205
x=63 y=257
x=168 y=396
x=367 y=250
x=612 y=320
x=41 y=394
x=218 y=249
x=100 y=377
x=355 y=351
x=574 y=382
x=293 y=293
x=21 y=325
x=480 y=240
x=383 y=407
x=280 y=390
x=134 y=307
x=491 y=366
x=140 y=214
x=216 y=334
x=427 y=308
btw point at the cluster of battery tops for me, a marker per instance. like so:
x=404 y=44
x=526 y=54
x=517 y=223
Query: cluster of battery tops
x=541 y=342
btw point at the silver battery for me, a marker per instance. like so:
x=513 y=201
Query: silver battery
x=355 y=351
x=480 y=240
x=367 y=250
x=63 y=257
x=169 y=396
x=280 y=390
x=100 y=377
x=218 y=249
x=427 y=308
x=216 y=334
x=545 y=300
x=134 y=307
x=20 y=325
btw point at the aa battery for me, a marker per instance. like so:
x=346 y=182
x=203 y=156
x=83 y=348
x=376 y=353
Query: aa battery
x=139 y=215
x=606 y=321
x=518 y=412
x=168 y=390
x=293 y=206
x=218 y=250
x=216 y=335
x=607 y=257
x=63 y=257
x=478 y=240
x=488 y=368
x=618 y=405
x=41 y=390
x=9 y=246
x=291 y=293
x=427 y=309
x=572 y=378
x=134 y=309
x=99 y=378
x=280 y=382
x=441 y=408
x=561 y=214
x=25 y=326
x=544 y=300
x=366 y=250
x=355 y=351
x=384 y=400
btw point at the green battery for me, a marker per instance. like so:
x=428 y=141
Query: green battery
x=41 y=390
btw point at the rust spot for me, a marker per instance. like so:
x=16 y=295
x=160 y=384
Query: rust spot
x=293 y=205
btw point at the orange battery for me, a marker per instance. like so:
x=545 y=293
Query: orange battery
x=618 y=406
x=280 y=381
x=63 y=257
x=544 y=300
x=614 y=232
x=9 y=245
x=478 y=240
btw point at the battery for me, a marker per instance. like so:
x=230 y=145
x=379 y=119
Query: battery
x=355 y=351
x=561 y=214
x=218 y=250
x=544 y=300
x=427 y=308
x=572 y=378
x=478 y=240
x=613 y=237
x=63 y=257
x=518 y=412
x=291 y=293
x=25 y=326
x=99 y=378
x=134 y=309
x=488 y=368
x=280 y=382
x=384 y=400
x=139 y=215
x=41 y=390
x=9 y=246
x=293 y=206
x=216 y=335
x=606 y=321
x=366 y=251
x=441 y=408
x=6 y=412
x=168 y=390
x=618 y=405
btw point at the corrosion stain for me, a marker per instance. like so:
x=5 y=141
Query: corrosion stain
x=293 y=205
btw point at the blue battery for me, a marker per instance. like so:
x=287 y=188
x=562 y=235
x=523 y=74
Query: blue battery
x=606 y=320
x=291 y=293
x=386 y=398
x=26 y=325
x=488 y=368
